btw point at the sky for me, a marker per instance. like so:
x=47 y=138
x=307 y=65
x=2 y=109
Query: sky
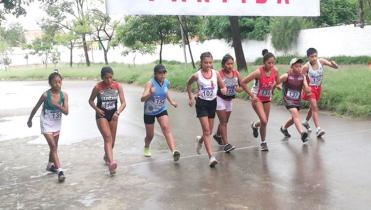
x=29 y=22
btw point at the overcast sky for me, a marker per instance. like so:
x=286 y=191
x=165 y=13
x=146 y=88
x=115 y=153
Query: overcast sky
x=29 y=22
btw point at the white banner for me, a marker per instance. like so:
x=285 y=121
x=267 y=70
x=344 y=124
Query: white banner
x=215 y=7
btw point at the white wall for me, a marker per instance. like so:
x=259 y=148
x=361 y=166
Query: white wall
x=331 y=41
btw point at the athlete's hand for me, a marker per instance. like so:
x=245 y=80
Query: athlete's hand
x=224 y=91
x=238 y=89
x=115 y=116
x=99 y=112
x=29 y=123
x=174 y=104
x=254 y=99
x=190 y=102
x=279 y=87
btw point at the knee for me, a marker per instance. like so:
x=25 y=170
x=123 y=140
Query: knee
x=206 y=132
x=107 y=137
x=165 y=129
x=263 y=122
x=149 y=137
x=53 y=148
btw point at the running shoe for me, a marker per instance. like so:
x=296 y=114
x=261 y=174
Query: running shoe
x=176 y=155
x=264 y=147
x=285 y=132
x=218 y=139
x=307 y=126
x=198 y=144
x=255 y=130
x=304 y=137
x=229 y=148
x=61 y=176
x=112 y=167
x=52 y=169
x=147 y=152
x=320 y=133
x=212 y=162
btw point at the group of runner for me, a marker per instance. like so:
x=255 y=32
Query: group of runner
x=215 y=92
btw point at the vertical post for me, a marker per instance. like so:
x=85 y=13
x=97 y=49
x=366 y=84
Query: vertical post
x=184 y=42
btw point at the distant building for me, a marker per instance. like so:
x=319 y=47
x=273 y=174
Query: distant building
x=31 y=35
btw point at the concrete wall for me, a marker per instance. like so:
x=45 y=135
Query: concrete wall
x=331 y=41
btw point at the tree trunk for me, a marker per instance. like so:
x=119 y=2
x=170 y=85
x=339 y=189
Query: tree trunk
x=161 y=44
x=85 y=49
x=362 y=13
x=105 y=52
x=71 y=54
x=185 y=29
x=237 y=45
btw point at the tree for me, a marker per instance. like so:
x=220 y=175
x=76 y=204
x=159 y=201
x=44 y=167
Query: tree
x=69 y=40
x=364 y=11
x=104 y=30
x=285 y=31
x=150 y=30
x=237 y=44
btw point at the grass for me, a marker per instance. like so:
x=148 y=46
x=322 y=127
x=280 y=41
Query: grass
x=346 y=91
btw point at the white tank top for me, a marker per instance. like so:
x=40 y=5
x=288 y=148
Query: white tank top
x=315 y=76
x=207 y=88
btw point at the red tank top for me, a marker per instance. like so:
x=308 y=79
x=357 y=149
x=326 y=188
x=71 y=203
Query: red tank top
x=263 y=88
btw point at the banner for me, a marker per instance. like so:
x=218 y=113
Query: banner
x=214 y=7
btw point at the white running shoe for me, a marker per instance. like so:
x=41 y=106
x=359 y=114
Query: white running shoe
x=320 y=133
x=212 y=162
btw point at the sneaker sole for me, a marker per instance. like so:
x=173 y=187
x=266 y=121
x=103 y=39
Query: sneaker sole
x=213 y=164
x=286 y=136
x=321 y=134
x=217 y=140
x=61 y=179
x=176 y=156
x=231 y=149
x=198 y=146
x=305 y=138
x=255 y=131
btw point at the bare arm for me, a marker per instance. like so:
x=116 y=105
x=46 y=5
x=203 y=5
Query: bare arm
x=92 y=97
x=305 y=69
x=284 y=77
x=64 y=107
x=221 y=84
x=34 y=110
x=147 y=92
x=306 y=87
x=331 y=64
x=191 y=80
x=278 y=80
x=244 y=85
x=122 y=100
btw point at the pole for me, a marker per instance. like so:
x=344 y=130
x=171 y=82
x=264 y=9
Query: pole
x=184 y=42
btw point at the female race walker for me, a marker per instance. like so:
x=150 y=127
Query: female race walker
x=208 y=80
x=232 y=80
x=266 y=80
x=107 y=112
x=154 y=97
x=294 y=82
x=55 y=102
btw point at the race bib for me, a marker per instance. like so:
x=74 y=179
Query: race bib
x=159 y=101
x=293 y=94
x=108 y=105
x=315 y=80
x=207 y=93
x=53 y=115
x=231 y=91
x=266 y=92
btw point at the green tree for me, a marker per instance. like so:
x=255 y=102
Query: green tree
x=104 y=30
x=334 y=12
x=149 y=30
x=285 y=31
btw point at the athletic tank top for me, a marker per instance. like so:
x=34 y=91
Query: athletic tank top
x=207 y=87
x=292 y=89
x=51 y=112
x=263 y=88
x=157 y=102
x=315 y=77
x=107 y=96
x=230 y=83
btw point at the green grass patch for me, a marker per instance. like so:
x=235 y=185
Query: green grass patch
x=346 y=91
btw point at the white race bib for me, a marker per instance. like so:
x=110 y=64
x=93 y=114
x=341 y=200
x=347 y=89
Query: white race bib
x=293 y=94
x=108 y=105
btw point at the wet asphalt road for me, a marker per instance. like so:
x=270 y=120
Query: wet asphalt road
x=328 y=173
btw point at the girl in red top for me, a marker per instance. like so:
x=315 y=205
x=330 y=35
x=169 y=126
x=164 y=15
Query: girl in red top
x=108 y=92
x=266 y=79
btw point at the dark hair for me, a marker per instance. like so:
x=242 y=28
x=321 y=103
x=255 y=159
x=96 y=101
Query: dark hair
x=267 y=56
x=226 y=58
x=205 y=55
x=106 y=70
x=311 y=51
x=159 y=68
x=54 y=75
x=265 y=51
